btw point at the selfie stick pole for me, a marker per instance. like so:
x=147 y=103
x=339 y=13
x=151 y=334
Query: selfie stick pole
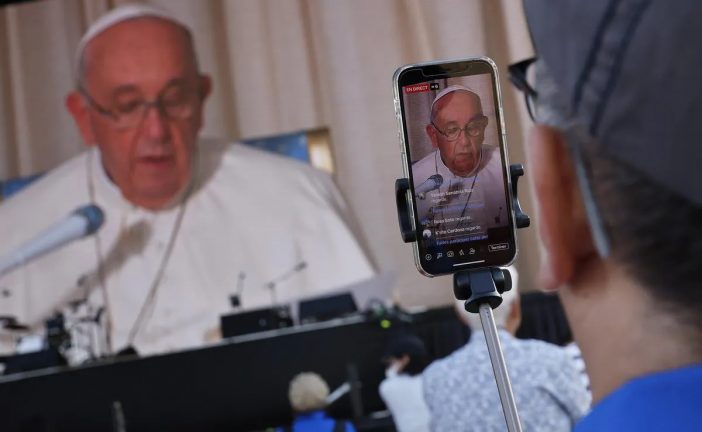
x=481 y=289
x=499 y=369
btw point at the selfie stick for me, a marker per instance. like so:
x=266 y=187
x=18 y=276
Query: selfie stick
x=481 y=289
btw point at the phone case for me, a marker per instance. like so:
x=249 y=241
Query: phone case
x=406 y=162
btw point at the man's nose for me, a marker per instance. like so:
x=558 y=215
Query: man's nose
x=464 y=142
x=155 y=125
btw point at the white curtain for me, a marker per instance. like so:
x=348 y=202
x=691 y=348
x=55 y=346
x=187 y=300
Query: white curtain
x=279 y=66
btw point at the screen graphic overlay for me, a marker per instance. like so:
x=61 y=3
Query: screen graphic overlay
x=459 y=181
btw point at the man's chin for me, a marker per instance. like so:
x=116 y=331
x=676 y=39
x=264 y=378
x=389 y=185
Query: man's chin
x=463 y=169
x=156 y=196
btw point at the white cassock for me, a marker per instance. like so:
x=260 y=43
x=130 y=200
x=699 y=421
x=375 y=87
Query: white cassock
x=250 y=212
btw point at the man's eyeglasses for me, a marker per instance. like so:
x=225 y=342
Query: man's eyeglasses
x=175 y=102
x=472 y=129
x=518 y=76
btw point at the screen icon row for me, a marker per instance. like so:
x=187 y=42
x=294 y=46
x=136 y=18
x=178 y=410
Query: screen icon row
x=451 y=253
x=468 y=251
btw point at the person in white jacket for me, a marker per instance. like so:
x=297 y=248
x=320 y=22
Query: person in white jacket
x=402 y=389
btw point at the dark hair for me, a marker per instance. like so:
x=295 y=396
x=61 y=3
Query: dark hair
x=417 y=364
x=411 y=346
x=655 y=234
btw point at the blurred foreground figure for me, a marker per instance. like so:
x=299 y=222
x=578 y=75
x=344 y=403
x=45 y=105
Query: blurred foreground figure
x=615 y=164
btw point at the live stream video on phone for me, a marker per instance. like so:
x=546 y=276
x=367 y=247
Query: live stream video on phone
x=458 y=173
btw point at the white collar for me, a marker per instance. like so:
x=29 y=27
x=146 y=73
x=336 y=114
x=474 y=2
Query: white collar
x=446 y=173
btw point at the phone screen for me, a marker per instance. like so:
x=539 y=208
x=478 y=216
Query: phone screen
x=457 y=165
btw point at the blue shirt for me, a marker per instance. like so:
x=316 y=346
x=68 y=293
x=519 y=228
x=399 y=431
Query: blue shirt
x=665 y=401
x=316 y=421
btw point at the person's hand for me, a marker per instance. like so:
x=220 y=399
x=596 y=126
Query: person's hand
x=396 y=366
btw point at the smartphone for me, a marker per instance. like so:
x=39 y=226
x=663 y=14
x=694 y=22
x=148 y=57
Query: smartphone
x=454 y=153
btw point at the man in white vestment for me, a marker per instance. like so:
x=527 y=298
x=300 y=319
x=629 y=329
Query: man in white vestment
x=188 y=222
x=470 y=197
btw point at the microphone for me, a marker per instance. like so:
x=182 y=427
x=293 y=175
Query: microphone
x=235 y=299
x=272 y=283
x=430 y=184
x=83 y=222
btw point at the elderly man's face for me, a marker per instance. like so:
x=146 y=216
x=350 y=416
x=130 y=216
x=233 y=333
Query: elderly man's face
x=150 y=156
x=458 y=111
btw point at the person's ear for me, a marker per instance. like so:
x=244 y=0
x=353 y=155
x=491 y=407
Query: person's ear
x=560 y=214
x=431 y=132
x=80 y=111
x=205 y=87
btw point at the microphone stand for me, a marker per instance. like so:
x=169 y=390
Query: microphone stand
x=274 y=283
x=481 y=289
x=271 y=287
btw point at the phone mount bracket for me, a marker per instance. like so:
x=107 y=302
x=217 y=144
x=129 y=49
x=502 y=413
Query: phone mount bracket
x=403 y=211
x=481 y=289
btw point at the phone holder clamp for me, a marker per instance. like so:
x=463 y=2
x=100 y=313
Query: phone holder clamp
x=404 y=217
